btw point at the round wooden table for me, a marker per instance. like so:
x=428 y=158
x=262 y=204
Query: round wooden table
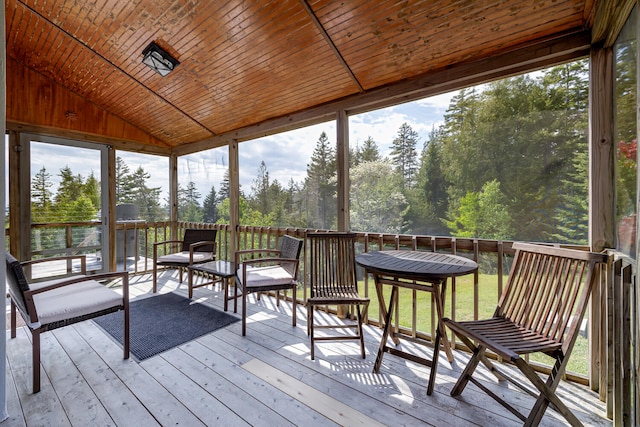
x=424 y=271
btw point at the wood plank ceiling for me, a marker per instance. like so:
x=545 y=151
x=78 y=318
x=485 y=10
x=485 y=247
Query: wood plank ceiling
x=246 y=62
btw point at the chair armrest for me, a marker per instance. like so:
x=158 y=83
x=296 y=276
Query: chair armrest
x=82 y=258
x=193 y=246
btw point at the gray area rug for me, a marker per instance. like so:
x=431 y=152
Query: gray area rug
x=162 y=322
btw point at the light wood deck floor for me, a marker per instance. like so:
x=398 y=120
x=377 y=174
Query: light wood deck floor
x=265 y=378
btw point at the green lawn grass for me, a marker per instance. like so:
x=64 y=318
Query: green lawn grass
x=487 y=295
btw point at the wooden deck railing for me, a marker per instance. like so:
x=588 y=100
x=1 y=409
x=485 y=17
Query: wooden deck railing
x=612 y=358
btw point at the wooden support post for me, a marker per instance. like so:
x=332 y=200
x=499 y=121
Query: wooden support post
x=234 y=197
x=601 y=193
x=111 y=217
x=173 y=198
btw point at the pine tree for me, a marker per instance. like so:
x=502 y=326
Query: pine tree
x=369 y=151
x=41 y=196
x=92 y=190
x=147 y=199
x=404 y=155
x=188 y=203
x=209 y=207
x=124 y=191
x=321 y=184
x=225 y=188
x=260 y=197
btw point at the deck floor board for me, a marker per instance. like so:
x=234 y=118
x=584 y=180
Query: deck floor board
x=213 y=380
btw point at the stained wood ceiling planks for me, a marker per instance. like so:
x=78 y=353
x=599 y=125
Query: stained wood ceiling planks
x=242 y=63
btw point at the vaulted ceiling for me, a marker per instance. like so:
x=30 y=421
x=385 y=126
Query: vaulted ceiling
x=75 y=65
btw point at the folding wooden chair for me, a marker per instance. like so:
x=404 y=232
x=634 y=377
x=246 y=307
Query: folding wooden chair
x=540 y=310
x=332 y=267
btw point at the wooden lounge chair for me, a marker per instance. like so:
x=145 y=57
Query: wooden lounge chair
x=332 y=266
x=540 y=310
x=52 y=304
x=262 y=270
x=197 y=246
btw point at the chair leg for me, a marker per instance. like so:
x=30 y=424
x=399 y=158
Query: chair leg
x=126 y=342
x=360 y=333
x=310 y=328
x=155 y=268
x=13 y=320
x=244 y=311
x=155 y=277
x=35 y=349
x=547 y=394
x=468 y=371
x=293 y=304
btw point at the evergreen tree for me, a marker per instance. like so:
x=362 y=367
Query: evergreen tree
x=404 y=155
x=70 y=187
x=69 y=190
x=41 y=196
x=225 y=188
x=321 y=185
x=260 y=190
x=188 y=204
x=92 y=191
x=369 y=151
x=209 y=207
x=124 y=191
x=482 y=214
x=428 y=201
x=147 y=199
x=81 y=209
x=524 y=133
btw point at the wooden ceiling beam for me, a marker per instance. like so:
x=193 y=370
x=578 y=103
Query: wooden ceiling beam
x=609 y=18
x=330 y=42
x=530 y=57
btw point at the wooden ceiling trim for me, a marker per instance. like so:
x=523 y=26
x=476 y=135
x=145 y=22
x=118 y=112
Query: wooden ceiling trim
x=517 y=60
x=330 y=43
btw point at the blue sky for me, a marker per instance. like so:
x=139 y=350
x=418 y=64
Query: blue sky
x=286 y=155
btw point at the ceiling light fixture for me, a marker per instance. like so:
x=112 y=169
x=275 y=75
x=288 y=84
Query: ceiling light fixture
x=159 y=59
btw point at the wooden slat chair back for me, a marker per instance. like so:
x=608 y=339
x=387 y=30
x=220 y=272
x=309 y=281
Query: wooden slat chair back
x=263 y=270
x=58 y=302
x=196 y=246
x=540 y=310
x=333 y=281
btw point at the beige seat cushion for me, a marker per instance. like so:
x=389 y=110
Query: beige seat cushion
x=267 y=276
x=73 y=300
x=183 y=257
